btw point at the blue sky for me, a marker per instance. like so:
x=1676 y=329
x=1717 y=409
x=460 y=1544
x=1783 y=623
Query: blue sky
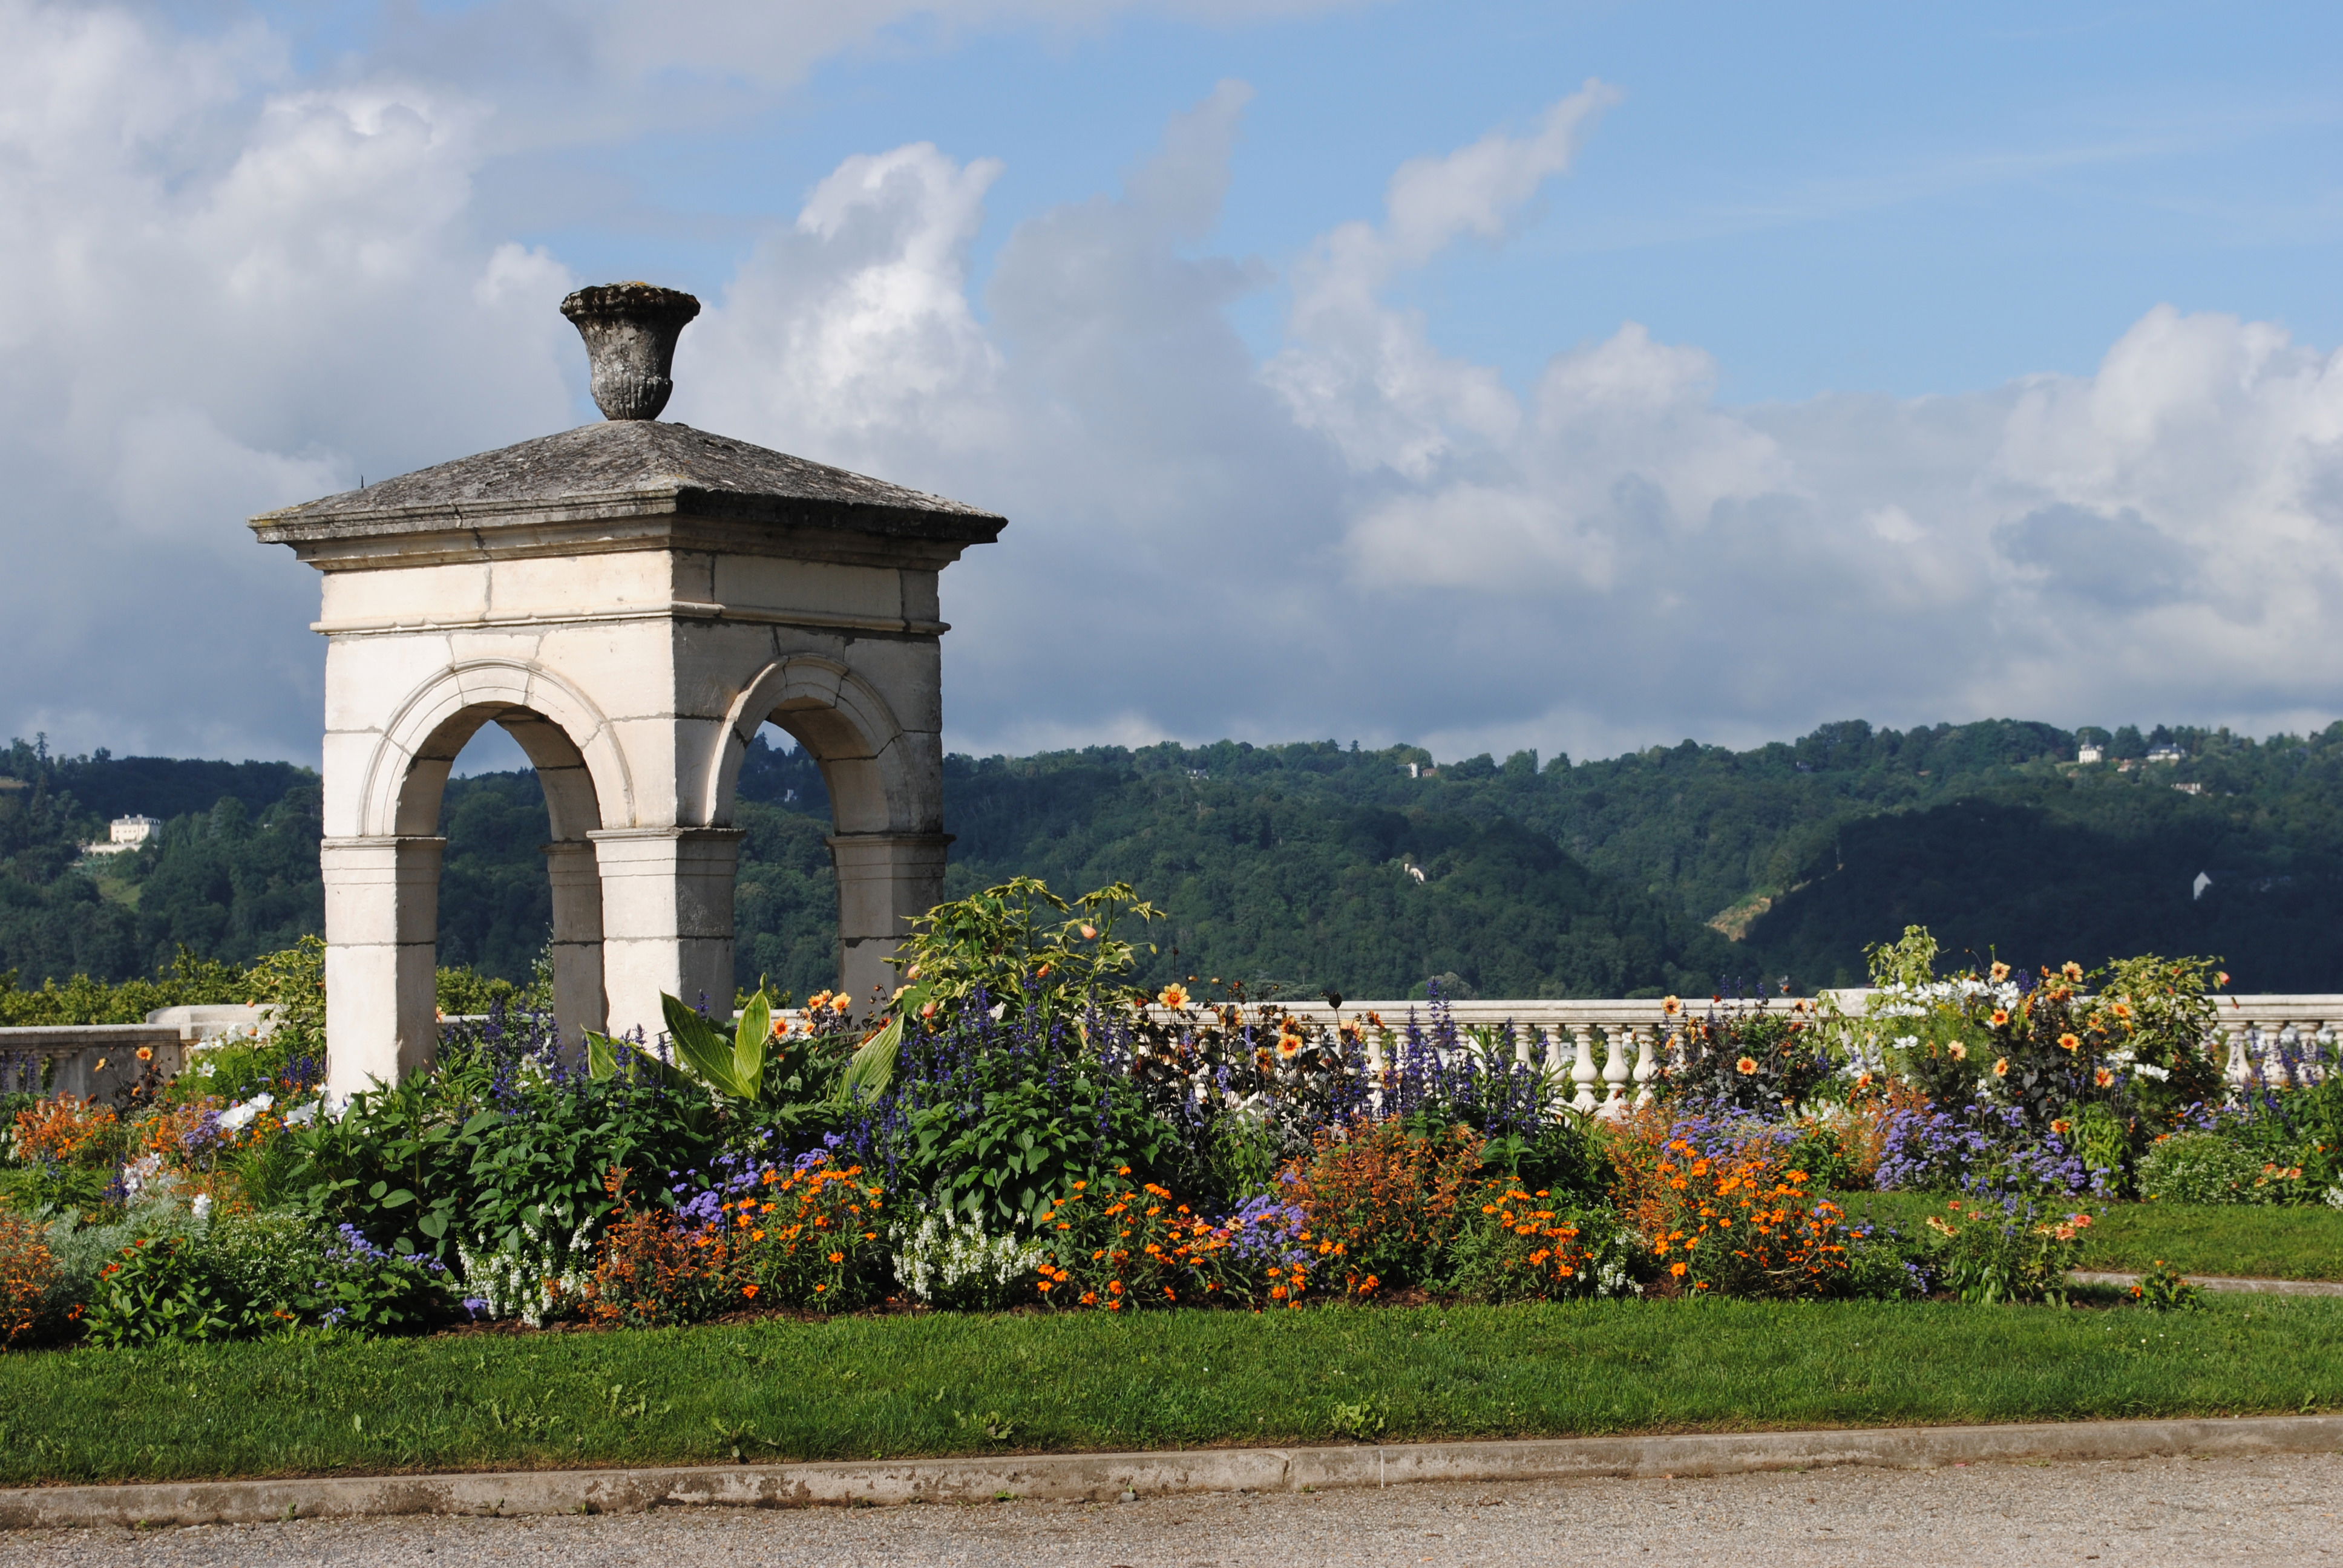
x=1820 y=361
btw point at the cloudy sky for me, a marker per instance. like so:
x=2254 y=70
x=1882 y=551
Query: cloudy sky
x=1479 y=374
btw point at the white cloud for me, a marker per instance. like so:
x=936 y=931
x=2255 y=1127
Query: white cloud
x=227 y=284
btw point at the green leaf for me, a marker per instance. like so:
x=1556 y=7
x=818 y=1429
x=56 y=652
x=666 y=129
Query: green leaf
x=750 y=1039
x=698 y=1049
x=872 y=1067
x=601 y=1060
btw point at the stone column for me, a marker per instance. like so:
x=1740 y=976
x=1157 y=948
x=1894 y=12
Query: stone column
x=884 y=879
x=382 y=930
x=667 y=920
x=579 y=1002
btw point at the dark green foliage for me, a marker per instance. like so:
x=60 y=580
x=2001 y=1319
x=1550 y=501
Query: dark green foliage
x=447 y=1160
x=158 y=1287
x=1011 y=1149
x=1291 y=864
x=1758 y=1061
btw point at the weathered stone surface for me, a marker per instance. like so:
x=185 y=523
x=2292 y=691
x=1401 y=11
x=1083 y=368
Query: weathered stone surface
x=1100 y=1477
x=630 y=330
x=633 y=466
x=631 y=602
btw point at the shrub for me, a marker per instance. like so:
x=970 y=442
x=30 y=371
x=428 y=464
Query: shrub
x=2165 y=1289
x=1388 y=1198
x=2200 y=1167
x=68 y=1131
x=809 y=1234
x=946 y=1261
x=653 y=1269
x=28 y=1273
x=373 y=1289
x=1748 y=1060
x=540 y=1274
x=1523 y=1245
x=2007 y=1252
x=1117 y=1246
x=158 y=1287
x=1744 y=1223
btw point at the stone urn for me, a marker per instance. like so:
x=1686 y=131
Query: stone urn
x=630 y=330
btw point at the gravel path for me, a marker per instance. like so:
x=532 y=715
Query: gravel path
x=2134 y=1512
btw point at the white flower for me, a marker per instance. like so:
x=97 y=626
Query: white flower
x=202 y=1206
x=302 y=1117
x=237 y=1118
x=2150 y=1069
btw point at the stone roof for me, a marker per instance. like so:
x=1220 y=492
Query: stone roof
x=633 y=467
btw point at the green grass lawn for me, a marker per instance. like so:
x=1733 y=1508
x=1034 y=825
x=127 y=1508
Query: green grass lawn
x=2290 y=1244
x=863 y=1387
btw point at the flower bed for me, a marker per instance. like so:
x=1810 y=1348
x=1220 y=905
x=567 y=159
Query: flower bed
x=1017 y=1128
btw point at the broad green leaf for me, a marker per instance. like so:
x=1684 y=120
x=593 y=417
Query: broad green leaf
x=698 y=1049
x=748 y=1042
x=872 y=1067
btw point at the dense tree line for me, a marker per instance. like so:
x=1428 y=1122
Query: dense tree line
x=1370 y=871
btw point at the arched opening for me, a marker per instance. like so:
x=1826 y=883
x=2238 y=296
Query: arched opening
x=490 y=907
x=785 y=903
x=885 y=794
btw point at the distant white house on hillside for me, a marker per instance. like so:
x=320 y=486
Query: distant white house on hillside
x=2166 y=754
x=2090 y=754
x=123 y=834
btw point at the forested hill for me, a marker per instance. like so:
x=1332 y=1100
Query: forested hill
x=1370 y=871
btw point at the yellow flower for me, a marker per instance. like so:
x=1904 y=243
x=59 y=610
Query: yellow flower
x=1670 y=1006
x=841 y=1002
x=2000 y=1016
x=1175 y=995
x=2070 y=1043
x=1957 y=1051
x=2001 y=1068
x=1745 y=1066
x=2000 y=972
x=2071 y=969
x=2106 y=1076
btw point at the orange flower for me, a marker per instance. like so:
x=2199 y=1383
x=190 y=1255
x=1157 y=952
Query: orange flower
x=2071 y=969
x=145 y=1054
x=1957 y=1051
x=2000 y=972
x=1745 y=1066
x=2001 y=1068
x=1089 y=933
x=1175 y=995
x=1670 y=1006
x=2000 y=1016
x=2070 y=1043
x=841 y=1004
x=2106 y=1076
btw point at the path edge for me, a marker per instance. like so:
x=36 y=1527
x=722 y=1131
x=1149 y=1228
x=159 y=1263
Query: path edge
x=1100 y=1477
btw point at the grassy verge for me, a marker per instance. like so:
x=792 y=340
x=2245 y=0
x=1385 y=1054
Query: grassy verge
x=946 y=1384
x=2290 y=1243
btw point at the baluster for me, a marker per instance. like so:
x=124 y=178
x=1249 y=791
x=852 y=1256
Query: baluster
x=1615 y=1071
x=1646 y=1068
x=1581 y=1072
x=2236 y=1072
